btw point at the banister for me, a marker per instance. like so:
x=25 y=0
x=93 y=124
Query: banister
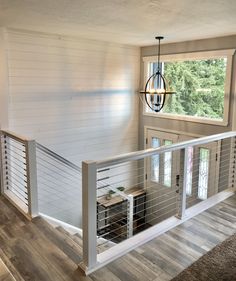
x=137 y=155
x=15 y=136
x=58 y=157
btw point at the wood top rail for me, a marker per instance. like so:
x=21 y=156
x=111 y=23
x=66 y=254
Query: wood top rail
x=15 y=136
x=152 y=151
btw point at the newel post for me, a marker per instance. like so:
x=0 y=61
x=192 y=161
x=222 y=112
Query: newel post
x=31 y=169
x=89 y=213
x=182 y=182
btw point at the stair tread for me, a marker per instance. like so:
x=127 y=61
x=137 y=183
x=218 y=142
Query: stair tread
x=29 y=250
x=75 y=237
x=68 y=246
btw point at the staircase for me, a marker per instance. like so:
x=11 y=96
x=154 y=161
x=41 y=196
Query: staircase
x=35 y=250
x=37 y=181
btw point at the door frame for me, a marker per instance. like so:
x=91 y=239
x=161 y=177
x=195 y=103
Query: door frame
x=181 y=133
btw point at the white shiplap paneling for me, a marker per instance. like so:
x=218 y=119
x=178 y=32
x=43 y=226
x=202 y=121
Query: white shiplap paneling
x=77 y=96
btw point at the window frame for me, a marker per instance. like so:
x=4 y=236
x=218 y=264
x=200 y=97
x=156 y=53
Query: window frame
x=228 y=53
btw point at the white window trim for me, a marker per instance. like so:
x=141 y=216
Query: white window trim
x=192 y=56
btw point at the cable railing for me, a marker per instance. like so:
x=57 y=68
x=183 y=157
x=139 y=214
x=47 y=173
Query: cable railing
x=18 y=172
x=59 y=187
x=120 y=202
x=161 y=187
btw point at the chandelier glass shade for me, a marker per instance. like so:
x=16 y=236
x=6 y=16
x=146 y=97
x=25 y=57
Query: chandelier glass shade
x=156 y=88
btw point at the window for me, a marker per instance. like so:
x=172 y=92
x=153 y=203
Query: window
x=189 y=172
x=203 y=173
x=167 y=165
x=201 y=82
x=155 y=161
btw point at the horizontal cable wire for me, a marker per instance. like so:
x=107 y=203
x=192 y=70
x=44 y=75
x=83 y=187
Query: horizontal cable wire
x=10 y=145
x=7 y=158
x=10 y=172
x=17 y=194
x=17 y=189
x=23 y=188
x=143 y=203
x=113 y=230
x=54 y=177
x=7 y=150
x=147 y=214
x=9 y=167
x=141 y=211
x=62 y=164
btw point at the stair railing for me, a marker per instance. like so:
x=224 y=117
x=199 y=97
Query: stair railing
x=168 y=198
x=19 y=172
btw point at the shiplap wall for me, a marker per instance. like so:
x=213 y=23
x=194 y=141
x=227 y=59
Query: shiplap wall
x=76 y=96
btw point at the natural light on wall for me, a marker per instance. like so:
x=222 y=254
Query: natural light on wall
x=201 y=82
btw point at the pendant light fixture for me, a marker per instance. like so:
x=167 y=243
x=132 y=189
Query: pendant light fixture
x=156 y=87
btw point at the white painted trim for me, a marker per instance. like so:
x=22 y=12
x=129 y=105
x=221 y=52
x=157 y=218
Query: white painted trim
x=15 y=201
x=146 y=128
x=56 y=222
x=71 y=228
x=89 y=212
x=31 y=172
x=186 y=118
x=132 y=243
x=192 y=56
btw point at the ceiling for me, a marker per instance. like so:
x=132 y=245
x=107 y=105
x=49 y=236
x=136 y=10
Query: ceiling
x=133 y=22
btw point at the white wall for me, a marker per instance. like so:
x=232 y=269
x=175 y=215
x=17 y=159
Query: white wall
x=76 y=96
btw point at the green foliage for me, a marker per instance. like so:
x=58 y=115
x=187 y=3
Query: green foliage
x=199 y=87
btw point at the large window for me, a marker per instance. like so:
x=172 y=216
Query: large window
x=201 y=82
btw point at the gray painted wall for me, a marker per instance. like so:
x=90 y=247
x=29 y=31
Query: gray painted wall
x=220 y=43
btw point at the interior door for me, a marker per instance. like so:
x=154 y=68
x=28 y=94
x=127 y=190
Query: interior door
x=160 y=177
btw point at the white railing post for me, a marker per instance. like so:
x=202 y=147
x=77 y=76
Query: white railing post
x=130 y=215
x=183 y=182
x=31 y=168
x=89 y=212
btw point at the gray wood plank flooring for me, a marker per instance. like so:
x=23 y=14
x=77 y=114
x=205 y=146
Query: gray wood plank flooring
x=35 y=251
x=5 y=274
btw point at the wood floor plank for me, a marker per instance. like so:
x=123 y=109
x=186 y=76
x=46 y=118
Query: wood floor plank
x=67 y=245
x=5 y=274
x=175 y=254
x=131 y=269
x=214 y=218
x=225 y=230
x=188 y=241
x=183 y=248
x=35 y=251
x=159 y=272
x=167 y=264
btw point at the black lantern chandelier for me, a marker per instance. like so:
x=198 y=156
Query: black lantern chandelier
x=156 y=87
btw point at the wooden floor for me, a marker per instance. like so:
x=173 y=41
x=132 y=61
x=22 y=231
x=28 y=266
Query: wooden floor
x=5 y=274
x=36 y=251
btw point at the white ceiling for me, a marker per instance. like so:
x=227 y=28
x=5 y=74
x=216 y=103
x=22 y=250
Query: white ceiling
x=133 y=22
